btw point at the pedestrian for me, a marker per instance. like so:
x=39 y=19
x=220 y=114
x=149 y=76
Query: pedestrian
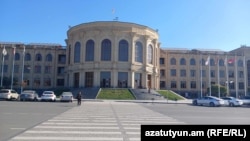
x=79 y=98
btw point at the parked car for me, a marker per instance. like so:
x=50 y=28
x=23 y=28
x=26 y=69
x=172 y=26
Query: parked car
x=209 y=101
x=232 y=101
x=66 y=97
x=48 y=96
x=8 y=94
x=29 y=95
x=246 y=100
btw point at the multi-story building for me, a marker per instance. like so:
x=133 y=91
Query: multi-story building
x=32 y=66
x=123 y=55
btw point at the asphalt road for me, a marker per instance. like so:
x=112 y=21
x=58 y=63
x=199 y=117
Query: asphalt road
x=16 y=117
x=203 y=115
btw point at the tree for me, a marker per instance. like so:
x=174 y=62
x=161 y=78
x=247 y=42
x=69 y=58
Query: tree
x=215 y=90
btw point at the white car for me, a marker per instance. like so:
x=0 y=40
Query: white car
x=48 y=96
x=8 y=94
x=232 y=101
x=246 y=100
x=209 y=101
x=66 y=97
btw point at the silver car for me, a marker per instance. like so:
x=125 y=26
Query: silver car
x=66 y=97
x=209 y=101
x=48 y=96
x=8 y=94
x=232 y=101
x=29 y=95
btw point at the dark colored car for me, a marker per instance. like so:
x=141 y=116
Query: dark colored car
x=29 y=95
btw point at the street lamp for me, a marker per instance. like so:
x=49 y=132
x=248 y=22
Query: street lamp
x=229 y=86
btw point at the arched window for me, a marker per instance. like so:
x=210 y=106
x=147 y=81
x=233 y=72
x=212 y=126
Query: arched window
x=138 y=52
x=182 y=61
x=192 y=62
x=123 y=50
x=173 y=61
x=90 y=50
x=77 y=52
x=27 y=57
x=221 y=62
x=17 y=56
x=240 y=63
x=48 y=58
x=106 y=50
x=38 y=57
x=212 y=62
x=150 y=54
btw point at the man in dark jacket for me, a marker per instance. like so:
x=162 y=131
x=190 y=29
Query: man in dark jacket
x=79 y=98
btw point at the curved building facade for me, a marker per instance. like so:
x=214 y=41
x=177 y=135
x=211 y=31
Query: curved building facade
x=113 y=55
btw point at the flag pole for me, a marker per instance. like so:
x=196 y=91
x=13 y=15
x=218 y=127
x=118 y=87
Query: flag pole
x=218 y=74
x=209 y=76
x=4 y=53
x=13 y=65
x=245 y=74
x=201 y=72
x=226 y=64
x=236 y=76
x=22 y=68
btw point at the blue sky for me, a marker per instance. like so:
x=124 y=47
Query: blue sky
x=192 y=24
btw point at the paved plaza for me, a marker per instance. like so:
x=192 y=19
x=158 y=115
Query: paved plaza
x=96 y=121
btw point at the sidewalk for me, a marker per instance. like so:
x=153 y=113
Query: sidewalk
x=187 y=101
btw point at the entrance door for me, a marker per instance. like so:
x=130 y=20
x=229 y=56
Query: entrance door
x=89 y=79
x=149 y=81
x=76 y=79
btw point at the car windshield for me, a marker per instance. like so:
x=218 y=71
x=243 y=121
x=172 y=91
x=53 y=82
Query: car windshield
x=48 y=93
x=67 y=94
x=4 y=91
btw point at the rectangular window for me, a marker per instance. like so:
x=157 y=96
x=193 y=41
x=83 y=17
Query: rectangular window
x=162 y=84
x=183 y=73
x=173 y=84
x=16 y=69
x=61 y=59
x=60 y=82
x=212 y=73
x=241 y=74
x=173 y=72
x=162 y=73
x=193 y=85
x=192 y=73
x=222 y=73
x=38 y=69
x=183 y=84
x=47 y=82
x=122 y=79
x=241 y=85
x=231 y=74
x=47 y=69
x=162 y=61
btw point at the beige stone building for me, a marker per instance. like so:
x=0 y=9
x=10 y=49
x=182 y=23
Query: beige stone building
x=188 y=72
x=113 y=54
x=34 y=66
x=117 y=54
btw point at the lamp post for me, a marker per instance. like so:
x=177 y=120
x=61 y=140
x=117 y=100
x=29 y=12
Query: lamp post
x=230 y=85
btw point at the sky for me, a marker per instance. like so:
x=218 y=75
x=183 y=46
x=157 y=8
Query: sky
x=190 y=24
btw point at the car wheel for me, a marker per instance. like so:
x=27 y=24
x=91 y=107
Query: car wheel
x=231 y=104
x=211 y=104
x=195 y=102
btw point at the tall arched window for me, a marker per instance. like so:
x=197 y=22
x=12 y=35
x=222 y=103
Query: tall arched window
x=138 y=52
x=192 y=62
x=90 y=50
x=123 y=51
x=48 y=58
x=17 y=56
x=27 y=57
x=106 y=50
x=150 y=54
x=38 y=57
x=221 y=62
x=173 y=61
x=77 y=52
x=182 y=61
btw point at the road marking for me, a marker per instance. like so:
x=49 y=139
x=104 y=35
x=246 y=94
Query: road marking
x=17 y=128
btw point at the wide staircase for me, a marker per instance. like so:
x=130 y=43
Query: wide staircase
x=144 y=94
x=87 y=93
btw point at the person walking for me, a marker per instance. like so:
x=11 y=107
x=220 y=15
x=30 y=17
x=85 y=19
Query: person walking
x=79 y=98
